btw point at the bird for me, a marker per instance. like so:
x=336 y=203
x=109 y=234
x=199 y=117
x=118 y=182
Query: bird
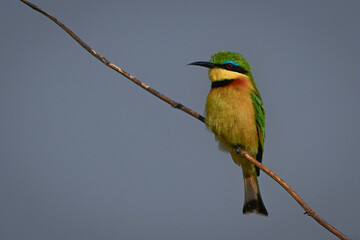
x=235 y=113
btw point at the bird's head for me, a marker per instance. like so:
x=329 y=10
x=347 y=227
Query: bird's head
x=226 y=66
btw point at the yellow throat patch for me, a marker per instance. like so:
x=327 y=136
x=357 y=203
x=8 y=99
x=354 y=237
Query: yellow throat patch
x=219 y=74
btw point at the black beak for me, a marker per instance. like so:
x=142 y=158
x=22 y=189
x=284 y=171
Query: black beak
x=203 y=64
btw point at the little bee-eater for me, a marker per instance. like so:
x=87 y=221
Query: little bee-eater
x=236 y=115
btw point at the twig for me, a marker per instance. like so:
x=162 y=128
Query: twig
x=189 y=111
x=309 y=211
x=171 y=102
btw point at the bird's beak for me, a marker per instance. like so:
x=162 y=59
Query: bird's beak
x=203 y=64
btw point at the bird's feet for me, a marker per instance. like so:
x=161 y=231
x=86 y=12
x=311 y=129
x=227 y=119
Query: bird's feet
x=237 y=149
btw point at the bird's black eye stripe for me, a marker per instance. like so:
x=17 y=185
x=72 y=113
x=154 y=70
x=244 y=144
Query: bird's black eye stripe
x=239 y=69
x=232 y=67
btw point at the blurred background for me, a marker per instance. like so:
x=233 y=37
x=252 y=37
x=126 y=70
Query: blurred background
x=86 y=154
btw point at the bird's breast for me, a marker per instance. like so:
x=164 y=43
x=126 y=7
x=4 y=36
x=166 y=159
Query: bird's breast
x=230 y=115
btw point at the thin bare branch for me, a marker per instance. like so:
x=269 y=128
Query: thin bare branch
x=191 y=112
x=171 y=102
x=305 y=206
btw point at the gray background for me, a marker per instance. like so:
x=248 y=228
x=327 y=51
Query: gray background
x=85 y=154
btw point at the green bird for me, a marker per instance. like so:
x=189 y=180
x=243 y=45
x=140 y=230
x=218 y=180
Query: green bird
x=236 y=115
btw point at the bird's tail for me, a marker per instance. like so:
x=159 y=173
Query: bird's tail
x=253 y=202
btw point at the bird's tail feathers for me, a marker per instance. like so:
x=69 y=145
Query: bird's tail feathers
x=253 y=202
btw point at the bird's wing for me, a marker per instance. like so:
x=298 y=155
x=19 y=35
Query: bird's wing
x=260 y=124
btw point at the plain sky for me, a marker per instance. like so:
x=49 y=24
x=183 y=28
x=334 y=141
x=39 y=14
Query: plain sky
x=86 y=154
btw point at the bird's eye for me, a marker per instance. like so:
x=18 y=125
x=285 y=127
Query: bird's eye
x=229 y=65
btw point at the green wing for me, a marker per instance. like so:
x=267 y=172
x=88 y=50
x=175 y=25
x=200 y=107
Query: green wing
x=260 y=123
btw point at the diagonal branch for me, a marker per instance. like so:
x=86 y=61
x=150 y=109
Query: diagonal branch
x=305 y=206
x=171 y=102
x=191 y=112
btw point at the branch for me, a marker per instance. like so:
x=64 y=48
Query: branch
x=309 y=211
x=189 y=111
x=171 y=102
